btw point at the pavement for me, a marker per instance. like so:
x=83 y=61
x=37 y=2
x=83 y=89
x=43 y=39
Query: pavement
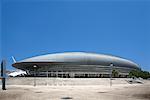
x=78 y=92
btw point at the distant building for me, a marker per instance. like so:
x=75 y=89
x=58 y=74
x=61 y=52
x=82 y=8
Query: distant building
x=76 y=64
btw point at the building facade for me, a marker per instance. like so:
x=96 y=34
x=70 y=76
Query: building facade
x=76 y=64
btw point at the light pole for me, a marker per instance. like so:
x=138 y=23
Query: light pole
x=34 y=74
x=47 y=78
x=111 y=66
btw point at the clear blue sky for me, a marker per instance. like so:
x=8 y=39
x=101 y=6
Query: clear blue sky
x=35 y=27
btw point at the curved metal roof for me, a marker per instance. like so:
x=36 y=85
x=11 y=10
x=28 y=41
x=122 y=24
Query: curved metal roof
x=81 y=58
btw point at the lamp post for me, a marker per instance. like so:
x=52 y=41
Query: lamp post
x=111 y=66
x=34 y=74
x=47 y=78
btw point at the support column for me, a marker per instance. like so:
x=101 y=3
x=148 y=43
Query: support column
x=3 y=74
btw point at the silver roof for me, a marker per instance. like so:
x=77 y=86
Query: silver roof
x=82 y=58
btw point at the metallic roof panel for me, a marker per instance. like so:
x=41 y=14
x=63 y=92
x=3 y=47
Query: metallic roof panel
x=82 y=58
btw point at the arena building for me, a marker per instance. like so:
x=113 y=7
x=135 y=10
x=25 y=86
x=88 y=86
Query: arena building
x=76 y=64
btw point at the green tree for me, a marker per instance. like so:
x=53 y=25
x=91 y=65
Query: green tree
x=139 y=73
x=115 y=73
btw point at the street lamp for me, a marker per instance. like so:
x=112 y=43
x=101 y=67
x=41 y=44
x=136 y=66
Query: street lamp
x=34 y=74
x=111 y=66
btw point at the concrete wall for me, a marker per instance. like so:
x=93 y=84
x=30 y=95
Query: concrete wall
x=63 y=81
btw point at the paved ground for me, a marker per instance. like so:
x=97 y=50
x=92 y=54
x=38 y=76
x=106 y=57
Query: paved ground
x=63 y=81
x=78 y=92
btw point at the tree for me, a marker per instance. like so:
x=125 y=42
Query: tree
x=139 y=73
x=115 y=73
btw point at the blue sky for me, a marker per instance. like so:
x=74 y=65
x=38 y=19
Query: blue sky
x=35 y=27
